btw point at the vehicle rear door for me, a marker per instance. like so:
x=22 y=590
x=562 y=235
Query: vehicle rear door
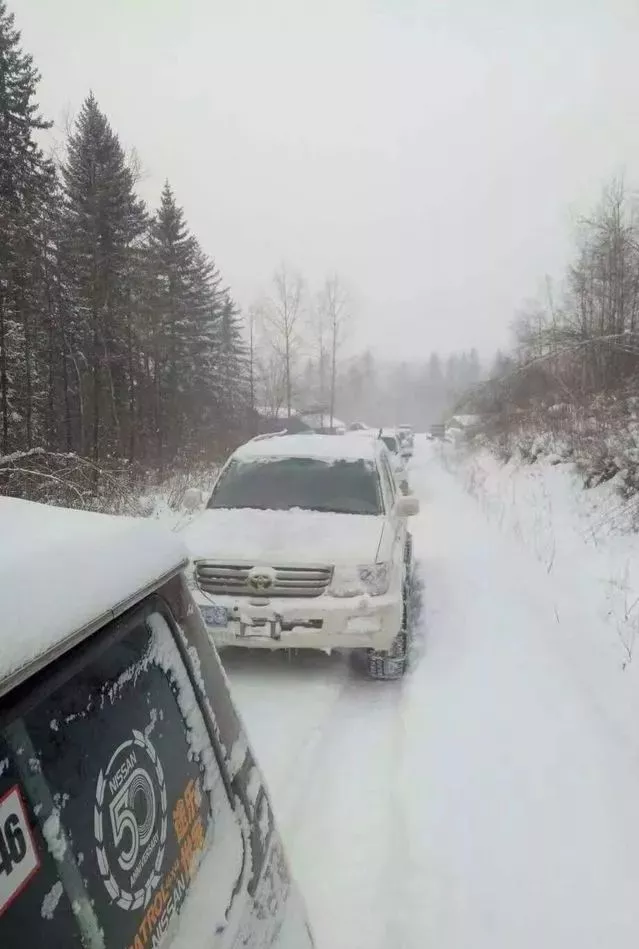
x=113 y=808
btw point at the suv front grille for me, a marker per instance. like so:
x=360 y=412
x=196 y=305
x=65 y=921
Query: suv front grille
x=223 y=579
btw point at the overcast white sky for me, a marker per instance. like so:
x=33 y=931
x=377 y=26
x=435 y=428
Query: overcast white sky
x=434 y=152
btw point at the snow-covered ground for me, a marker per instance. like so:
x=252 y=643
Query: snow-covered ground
x=488 y=801
x=587 y=543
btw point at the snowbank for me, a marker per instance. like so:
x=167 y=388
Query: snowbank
x=584 y=540
x=601 y=437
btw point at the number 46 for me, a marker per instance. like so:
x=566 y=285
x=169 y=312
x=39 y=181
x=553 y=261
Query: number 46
x=13 y=846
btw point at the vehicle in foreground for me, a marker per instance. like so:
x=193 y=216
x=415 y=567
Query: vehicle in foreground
x=304 y=545
x=132 y=811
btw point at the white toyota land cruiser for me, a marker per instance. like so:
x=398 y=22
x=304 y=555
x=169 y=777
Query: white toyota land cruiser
x=304 y=545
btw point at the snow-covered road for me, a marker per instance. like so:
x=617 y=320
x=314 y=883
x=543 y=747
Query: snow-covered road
x=485 y=802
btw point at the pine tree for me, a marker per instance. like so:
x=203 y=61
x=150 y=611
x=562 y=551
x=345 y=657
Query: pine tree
x=51 y=390
x=234 y=379
x=203 y=399
x=184 y=333
x=103 y=223
x=474 y=367
x=434 y=373
x=23 y=171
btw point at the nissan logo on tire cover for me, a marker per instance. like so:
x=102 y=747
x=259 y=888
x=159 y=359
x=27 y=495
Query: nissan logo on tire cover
x=130 y=822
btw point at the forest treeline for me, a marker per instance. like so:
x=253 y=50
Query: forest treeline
x=569 y=389
x=118 y=337
x=578 y=344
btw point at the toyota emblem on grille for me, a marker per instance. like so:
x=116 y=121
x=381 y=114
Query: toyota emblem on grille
x=261 y=579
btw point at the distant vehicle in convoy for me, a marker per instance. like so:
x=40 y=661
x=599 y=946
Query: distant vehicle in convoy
x=132 y=811
x=390 y=439
x=398 y=458
x=438 y=431
x=393 y=441
x=304 y=545
x=407 y=440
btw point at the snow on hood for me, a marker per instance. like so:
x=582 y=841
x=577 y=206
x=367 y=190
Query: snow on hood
x=284 y=537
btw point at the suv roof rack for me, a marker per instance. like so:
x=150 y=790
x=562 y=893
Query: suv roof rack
x=266 y=435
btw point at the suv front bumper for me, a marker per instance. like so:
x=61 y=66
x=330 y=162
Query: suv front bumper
x=323 y=622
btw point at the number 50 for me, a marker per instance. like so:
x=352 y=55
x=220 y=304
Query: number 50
x=135 y=797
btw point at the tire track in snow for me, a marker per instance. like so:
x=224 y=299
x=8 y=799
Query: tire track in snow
x=343 y=838
x=287 y=702
x=397 y=870
x=330 y=742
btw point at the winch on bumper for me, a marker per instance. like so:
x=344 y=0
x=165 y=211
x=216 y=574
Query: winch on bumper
x=326 y=622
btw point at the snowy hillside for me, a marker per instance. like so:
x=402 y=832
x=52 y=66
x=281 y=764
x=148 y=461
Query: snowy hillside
x=586 y=542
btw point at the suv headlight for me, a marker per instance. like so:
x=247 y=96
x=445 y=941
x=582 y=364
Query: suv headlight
x=371 y=578
x=375 y=577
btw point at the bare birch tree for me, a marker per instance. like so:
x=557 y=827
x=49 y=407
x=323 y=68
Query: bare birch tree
x=251 y=323
x=319 y=354
x=334 y=305
x=282 y=314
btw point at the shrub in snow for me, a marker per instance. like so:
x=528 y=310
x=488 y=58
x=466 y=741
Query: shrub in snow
x=601 y=438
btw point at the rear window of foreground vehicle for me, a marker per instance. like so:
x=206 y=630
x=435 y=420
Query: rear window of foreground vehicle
x=109 y=793
x=343 y=487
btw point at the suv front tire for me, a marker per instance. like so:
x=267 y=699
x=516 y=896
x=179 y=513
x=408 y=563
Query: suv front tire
x=392 y=663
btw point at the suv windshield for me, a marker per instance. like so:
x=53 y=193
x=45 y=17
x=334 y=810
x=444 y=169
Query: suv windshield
x=343 y=487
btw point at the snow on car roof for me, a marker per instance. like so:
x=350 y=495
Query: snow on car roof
x=325 y=447
x=321 y=419
x=375 y=433
x=61 y=570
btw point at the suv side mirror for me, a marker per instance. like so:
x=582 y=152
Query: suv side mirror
x=192 y=499
x=406 y=506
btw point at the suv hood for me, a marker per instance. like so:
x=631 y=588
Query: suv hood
x=284 y=537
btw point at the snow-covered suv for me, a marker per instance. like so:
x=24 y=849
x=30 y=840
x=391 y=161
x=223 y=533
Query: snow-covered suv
x=304 y=545
x=133 y=812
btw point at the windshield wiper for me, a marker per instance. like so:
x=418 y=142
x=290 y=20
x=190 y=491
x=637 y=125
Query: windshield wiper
x=238 y=507
x=330 y=509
